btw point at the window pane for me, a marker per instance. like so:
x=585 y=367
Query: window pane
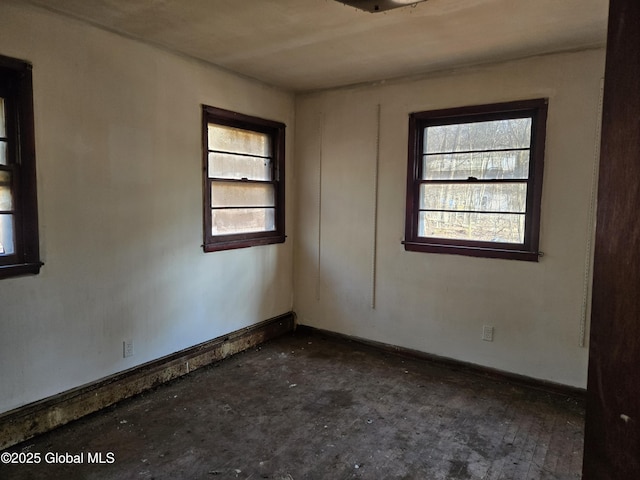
x=3 y=152
x=6 y=235
x=500 y=197
x=3 y=128
x=495 y=134
x=230 y=194
x=483 y=227
x=6 y=199
x=242 y=220
x=237 y=140
x=482 y=165
x=222 y=165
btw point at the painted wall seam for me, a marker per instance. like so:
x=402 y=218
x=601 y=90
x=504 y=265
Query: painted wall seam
x=319 y=253
x=376 y=173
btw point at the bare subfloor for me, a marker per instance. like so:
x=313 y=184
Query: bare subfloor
x=306 y=406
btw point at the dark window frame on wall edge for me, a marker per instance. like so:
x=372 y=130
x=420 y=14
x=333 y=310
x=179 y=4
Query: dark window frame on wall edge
x=17 y=84
x=529 y=249
x=276 y=130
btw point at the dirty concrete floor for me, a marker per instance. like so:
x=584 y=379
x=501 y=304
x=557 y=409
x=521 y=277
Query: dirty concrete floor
x=307 y=406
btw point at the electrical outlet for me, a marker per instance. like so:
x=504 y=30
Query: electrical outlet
x=487 y=333
x=127 y=348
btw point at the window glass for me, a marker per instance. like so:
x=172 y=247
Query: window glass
x=225 y=165
x=226 y=221
x=233 y=194
x=489 y=135
x=3 y=128
x=6 y=235
x=6 y=201
x=238 y=140
x=476 y=197
x=511 y=164
x=487 y=227
x=3 y=152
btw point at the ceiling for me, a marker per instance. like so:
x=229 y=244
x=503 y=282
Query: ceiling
x=303 y=45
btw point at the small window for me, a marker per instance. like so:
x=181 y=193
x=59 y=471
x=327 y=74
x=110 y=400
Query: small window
x=19 y=244
x=243 y=180
x=474 y=182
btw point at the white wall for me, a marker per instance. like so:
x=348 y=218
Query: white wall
x=438 y=303
x=118 y=143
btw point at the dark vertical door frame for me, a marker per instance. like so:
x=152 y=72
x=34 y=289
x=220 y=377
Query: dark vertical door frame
x=612 y=429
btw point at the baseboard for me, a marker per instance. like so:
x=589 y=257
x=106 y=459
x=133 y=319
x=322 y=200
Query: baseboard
x=551 y=387
x=35 y=418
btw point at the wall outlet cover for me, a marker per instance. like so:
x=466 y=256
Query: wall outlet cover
x=487 y=333
x=127 y=348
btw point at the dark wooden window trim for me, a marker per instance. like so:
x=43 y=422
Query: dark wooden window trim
x=17 y=88
x=528 y=250
x=276 y=130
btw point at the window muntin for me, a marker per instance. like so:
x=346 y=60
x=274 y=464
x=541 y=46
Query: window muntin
x=19 y=243
x=244 y=180
x=474 y=183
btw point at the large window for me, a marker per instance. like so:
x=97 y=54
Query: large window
x=19 y=246
x=474 y=180
x=243 y=180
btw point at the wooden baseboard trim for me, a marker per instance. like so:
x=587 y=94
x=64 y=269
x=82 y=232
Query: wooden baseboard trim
x=547 y=386
x=35 y=418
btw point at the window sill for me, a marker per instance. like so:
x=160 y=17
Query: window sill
x=472 y=251
x=16 y=270
x=243 y=243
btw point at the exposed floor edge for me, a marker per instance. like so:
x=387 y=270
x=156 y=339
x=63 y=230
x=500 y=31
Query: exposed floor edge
x=35 y=418
x=538 y=384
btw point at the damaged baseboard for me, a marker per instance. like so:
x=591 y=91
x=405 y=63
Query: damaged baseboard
x=35 y=418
